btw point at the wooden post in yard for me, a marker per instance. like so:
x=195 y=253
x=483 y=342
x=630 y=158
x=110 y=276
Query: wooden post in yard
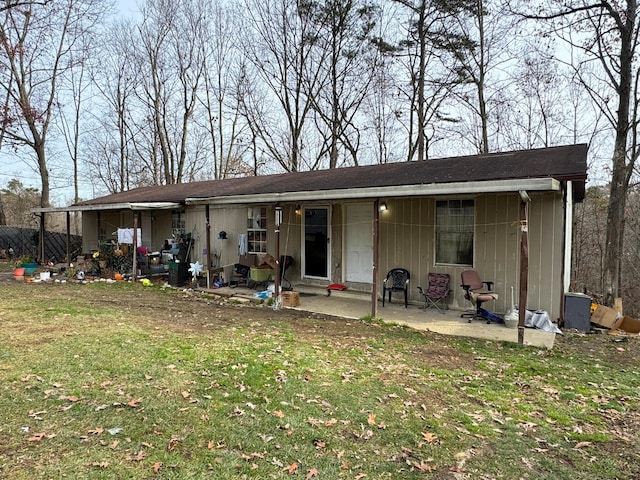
x=524 y=264
x=277 y=222
x=135 y=246
x=209 y=267
x=376 y=232
x=41 y=238
x=68 y=252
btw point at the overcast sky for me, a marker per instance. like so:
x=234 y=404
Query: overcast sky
x=127 y=7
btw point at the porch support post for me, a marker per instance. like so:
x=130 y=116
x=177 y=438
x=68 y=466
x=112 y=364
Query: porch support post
x=524 y=264
x=99 y=222
x=68 y=253
x=278 y=221
x=208 y=240
x=42 y=236
x=135 y=246
x=374 y=282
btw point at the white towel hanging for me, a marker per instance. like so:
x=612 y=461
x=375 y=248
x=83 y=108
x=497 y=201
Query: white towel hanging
x=242 y=244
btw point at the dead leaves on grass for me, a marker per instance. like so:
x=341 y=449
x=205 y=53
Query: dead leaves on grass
x=134 y=402
x=428 y=437
x=291 y=469
x=36 y=437
x=580 y=445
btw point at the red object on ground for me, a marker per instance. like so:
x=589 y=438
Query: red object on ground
x=335 y=286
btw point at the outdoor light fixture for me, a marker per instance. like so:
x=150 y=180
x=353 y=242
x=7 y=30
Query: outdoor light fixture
x=222 y=235
x=383 y=207
x=298 y=209
x=278 y=219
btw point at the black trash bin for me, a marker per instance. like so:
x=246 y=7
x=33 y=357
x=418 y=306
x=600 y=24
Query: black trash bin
x=577 y=311
x=178 y=272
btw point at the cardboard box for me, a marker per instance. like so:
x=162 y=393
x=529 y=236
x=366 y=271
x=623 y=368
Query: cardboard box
x=605 y=317
x=627 y=324
x=290 y=299
x=269 y=261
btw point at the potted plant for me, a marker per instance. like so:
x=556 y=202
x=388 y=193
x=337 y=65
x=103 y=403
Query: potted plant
x=18 y=271
x=29 y=265
x=105 y=254
x=101 y=258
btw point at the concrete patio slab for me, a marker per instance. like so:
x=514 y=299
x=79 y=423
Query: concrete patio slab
x=355 y=305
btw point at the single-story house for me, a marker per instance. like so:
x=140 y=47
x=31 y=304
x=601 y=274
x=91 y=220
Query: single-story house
x=351 y=225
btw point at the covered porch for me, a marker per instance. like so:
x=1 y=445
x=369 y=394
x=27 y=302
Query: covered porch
x=356 y=305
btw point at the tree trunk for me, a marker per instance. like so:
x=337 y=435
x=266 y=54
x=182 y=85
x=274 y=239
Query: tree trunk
x=619 y=176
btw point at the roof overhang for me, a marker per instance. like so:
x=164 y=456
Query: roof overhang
x=110 y=206
x=398 y=191
x=459 y=188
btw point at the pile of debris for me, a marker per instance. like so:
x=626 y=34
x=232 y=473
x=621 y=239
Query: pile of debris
x=614 y=320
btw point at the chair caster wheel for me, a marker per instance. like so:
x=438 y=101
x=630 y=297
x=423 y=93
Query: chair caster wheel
x=488 y=322
x=469 y=320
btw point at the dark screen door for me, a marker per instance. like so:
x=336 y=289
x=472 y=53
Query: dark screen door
x=316 y=242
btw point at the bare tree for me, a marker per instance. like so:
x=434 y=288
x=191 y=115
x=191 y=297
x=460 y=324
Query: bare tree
x=9 y=4
x=37 y=42
x=222 y=97
x=281 y=51
x=631 y=254
x=479 y=34
x=427 y=51
x=18 y=201
x=607 y=32
x=172 y=74
x=345 y=29
x=589 y=242
x=534 y=113
x=110 y=150
x=72 y=97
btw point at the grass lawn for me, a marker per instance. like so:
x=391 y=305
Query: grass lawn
x=122 y=381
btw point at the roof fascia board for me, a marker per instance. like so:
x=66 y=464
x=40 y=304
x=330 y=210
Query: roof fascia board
x=110 y=206
x=458 y=188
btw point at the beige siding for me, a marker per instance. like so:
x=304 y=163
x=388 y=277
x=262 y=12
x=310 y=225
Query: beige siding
x=155 y=227
x=89 y=231
x=233 y=220
x=160 y=228
x=407 y=241
x=407 y=236
x=546 y=221
x=497 y=243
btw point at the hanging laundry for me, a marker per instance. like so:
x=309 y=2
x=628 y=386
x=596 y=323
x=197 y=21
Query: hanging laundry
x=242 y=244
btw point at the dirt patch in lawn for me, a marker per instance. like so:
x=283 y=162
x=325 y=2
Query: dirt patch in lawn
x=193 y=311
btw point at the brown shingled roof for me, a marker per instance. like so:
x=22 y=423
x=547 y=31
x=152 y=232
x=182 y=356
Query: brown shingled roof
x=562 y=163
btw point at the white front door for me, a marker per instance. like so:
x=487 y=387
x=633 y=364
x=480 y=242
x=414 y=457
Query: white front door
x=359 y=243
